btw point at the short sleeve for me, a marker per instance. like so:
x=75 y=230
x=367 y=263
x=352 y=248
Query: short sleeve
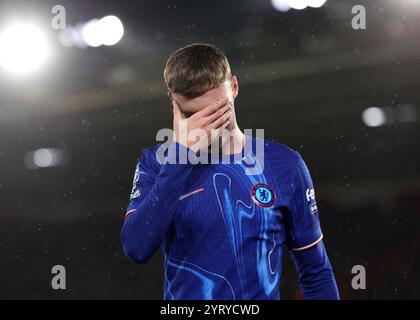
x=303 y=229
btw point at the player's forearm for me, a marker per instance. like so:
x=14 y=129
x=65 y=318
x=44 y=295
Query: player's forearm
x=316 y=276
x=145 y=228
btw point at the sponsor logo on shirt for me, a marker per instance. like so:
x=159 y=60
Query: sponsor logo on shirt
x=313 y=209
x=310 y=197
x=310 y=194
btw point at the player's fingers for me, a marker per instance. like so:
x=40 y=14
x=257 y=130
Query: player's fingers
x=218 y=131
x=219 y=113
x=220 y=121
x=177 y=110
x=212 y=108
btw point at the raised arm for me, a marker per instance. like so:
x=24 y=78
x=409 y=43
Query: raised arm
x=157 y=188
x=155 y=193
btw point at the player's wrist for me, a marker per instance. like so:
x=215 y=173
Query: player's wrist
x=187 y=144
x=181 y=153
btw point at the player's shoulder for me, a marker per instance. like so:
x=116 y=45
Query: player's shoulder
x=283 y=160
x=147 y=157
x=150 y=151
x=277 y=150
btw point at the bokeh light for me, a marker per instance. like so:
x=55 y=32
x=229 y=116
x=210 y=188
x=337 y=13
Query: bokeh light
x=23 y=48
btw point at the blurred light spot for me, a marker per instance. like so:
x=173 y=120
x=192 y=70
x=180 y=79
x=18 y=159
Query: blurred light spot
x=280 y=5
x=92 y=34
x=374 y=117
x=111 y=29
x=44 y=158
x=297 y=4
x=107 y=31
x=316 y=3
x=68 y=37
x=285 y=5
x=23 y=48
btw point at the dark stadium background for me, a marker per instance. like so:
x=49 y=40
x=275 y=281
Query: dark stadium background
x=305 y=76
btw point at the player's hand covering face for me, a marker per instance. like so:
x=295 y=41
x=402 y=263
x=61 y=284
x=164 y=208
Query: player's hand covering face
x=211 y=121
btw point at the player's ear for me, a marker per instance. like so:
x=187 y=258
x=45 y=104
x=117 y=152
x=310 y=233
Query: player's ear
x=235 y=86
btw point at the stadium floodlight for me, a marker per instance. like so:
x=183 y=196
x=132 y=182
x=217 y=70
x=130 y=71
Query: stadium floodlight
x=374 y=117
x=297 y=4
x=92 y=34
x=107 y=31
x=111 y=29
x=315 y=3
x=286 y=5
x=45 y=158
x=23 y=48
x=280 y=5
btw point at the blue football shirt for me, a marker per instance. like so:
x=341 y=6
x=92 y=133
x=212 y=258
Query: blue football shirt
x=223 y=231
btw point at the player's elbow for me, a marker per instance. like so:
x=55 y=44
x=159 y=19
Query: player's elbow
x=135 y=249
x=136 y=255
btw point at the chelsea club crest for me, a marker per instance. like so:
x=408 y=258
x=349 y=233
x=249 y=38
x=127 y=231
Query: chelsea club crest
x=263 y=195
